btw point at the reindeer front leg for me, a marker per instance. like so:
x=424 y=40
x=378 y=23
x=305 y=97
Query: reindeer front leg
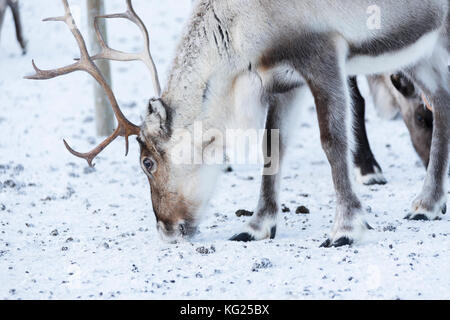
x=263 y=224
x=328 y=83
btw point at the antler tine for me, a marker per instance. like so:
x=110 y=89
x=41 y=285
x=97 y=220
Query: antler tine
x=90 y=156
x=78 y=66
x=85 y=63
x=50 y=74
x=112 y=54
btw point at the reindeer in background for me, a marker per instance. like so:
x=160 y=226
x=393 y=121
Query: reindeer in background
x=392 y=94
x=14 y=5
x=308 y=45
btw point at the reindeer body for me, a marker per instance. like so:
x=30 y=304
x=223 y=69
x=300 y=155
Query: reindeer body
x=280 y=41
x=225 y=36
x=289 y=45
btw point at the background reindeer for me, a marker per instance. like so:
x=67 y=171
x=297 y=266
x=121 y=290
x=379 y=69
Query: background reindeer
x=310 y=44
x=14 y=5
x=392 y=94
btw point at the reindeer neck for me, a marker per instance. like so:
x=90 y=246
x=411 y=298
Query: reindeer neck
x=203 y=68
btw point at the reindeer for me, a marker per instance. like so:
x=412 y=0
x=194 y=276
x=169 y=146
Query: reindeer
x=281 y=49
x=392 y=94
x=14 y=5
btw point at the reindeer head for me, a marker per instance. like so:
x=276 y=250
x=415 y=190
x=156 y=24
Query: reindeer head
x=173 y=198
x=417 y=114
x=176 y=189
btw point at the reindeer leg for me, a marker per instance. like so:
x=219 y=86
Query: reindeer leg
x=2 y=14
x=433 y=79
x=322 y=64
x=263 y=224
x=368 y=171
x=328 y=83
x=14 y=4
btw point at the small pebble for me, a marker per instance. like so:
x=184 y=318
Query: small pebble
x=302 y=210
x=263 y=264
x=206 y=251
x=244 y=213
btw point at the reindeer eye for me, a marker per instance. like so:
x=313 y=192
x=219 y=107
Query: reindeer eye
x=149 y=165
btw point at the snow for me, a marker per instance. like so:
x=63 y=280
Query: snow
x=69 y=232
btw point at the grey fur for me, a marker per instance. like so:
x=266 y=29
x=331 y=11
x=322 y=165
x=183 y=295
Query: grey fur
x=422 y=22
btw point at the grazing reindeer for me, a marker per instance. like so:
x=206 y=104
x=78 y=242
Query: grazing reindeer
x=283 y=47
x=14 y=5
x=414 y=110
x=392 y=94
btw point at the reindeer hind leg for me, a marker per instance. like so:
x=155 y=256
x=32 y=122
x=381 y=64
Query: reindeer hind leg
x=368 y=171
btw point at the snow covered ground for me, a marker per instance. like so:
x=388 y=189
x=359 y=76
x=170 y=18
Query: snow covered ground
x=67 y=231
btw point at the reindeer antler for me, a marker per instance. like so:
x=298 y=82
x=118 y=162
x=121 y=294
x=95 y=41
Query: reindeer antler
x=86 y=63
x=144 y=56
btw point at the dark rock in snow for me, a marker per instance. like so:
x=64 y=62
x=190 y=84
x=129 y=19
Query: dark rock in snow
x=244 y=213
x=9 y=184
x=302 y=210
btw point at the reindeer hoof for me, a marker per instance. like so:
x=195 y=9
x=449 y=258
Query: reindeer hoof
x=371 y=177
x=420 y=217
x=355 y=231
x=426 y=211
x=243 y=237
x=417 y=217
x=344 y=241
x=248 y=237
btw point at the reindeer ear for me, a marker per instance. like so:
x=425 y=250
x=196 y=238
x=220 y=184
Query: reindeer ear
x=156 y=119
x=403 y=85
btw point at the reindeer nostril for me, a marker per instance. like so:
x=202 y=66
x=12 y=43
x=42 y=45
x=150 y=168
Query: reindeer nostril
x=182 y=228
